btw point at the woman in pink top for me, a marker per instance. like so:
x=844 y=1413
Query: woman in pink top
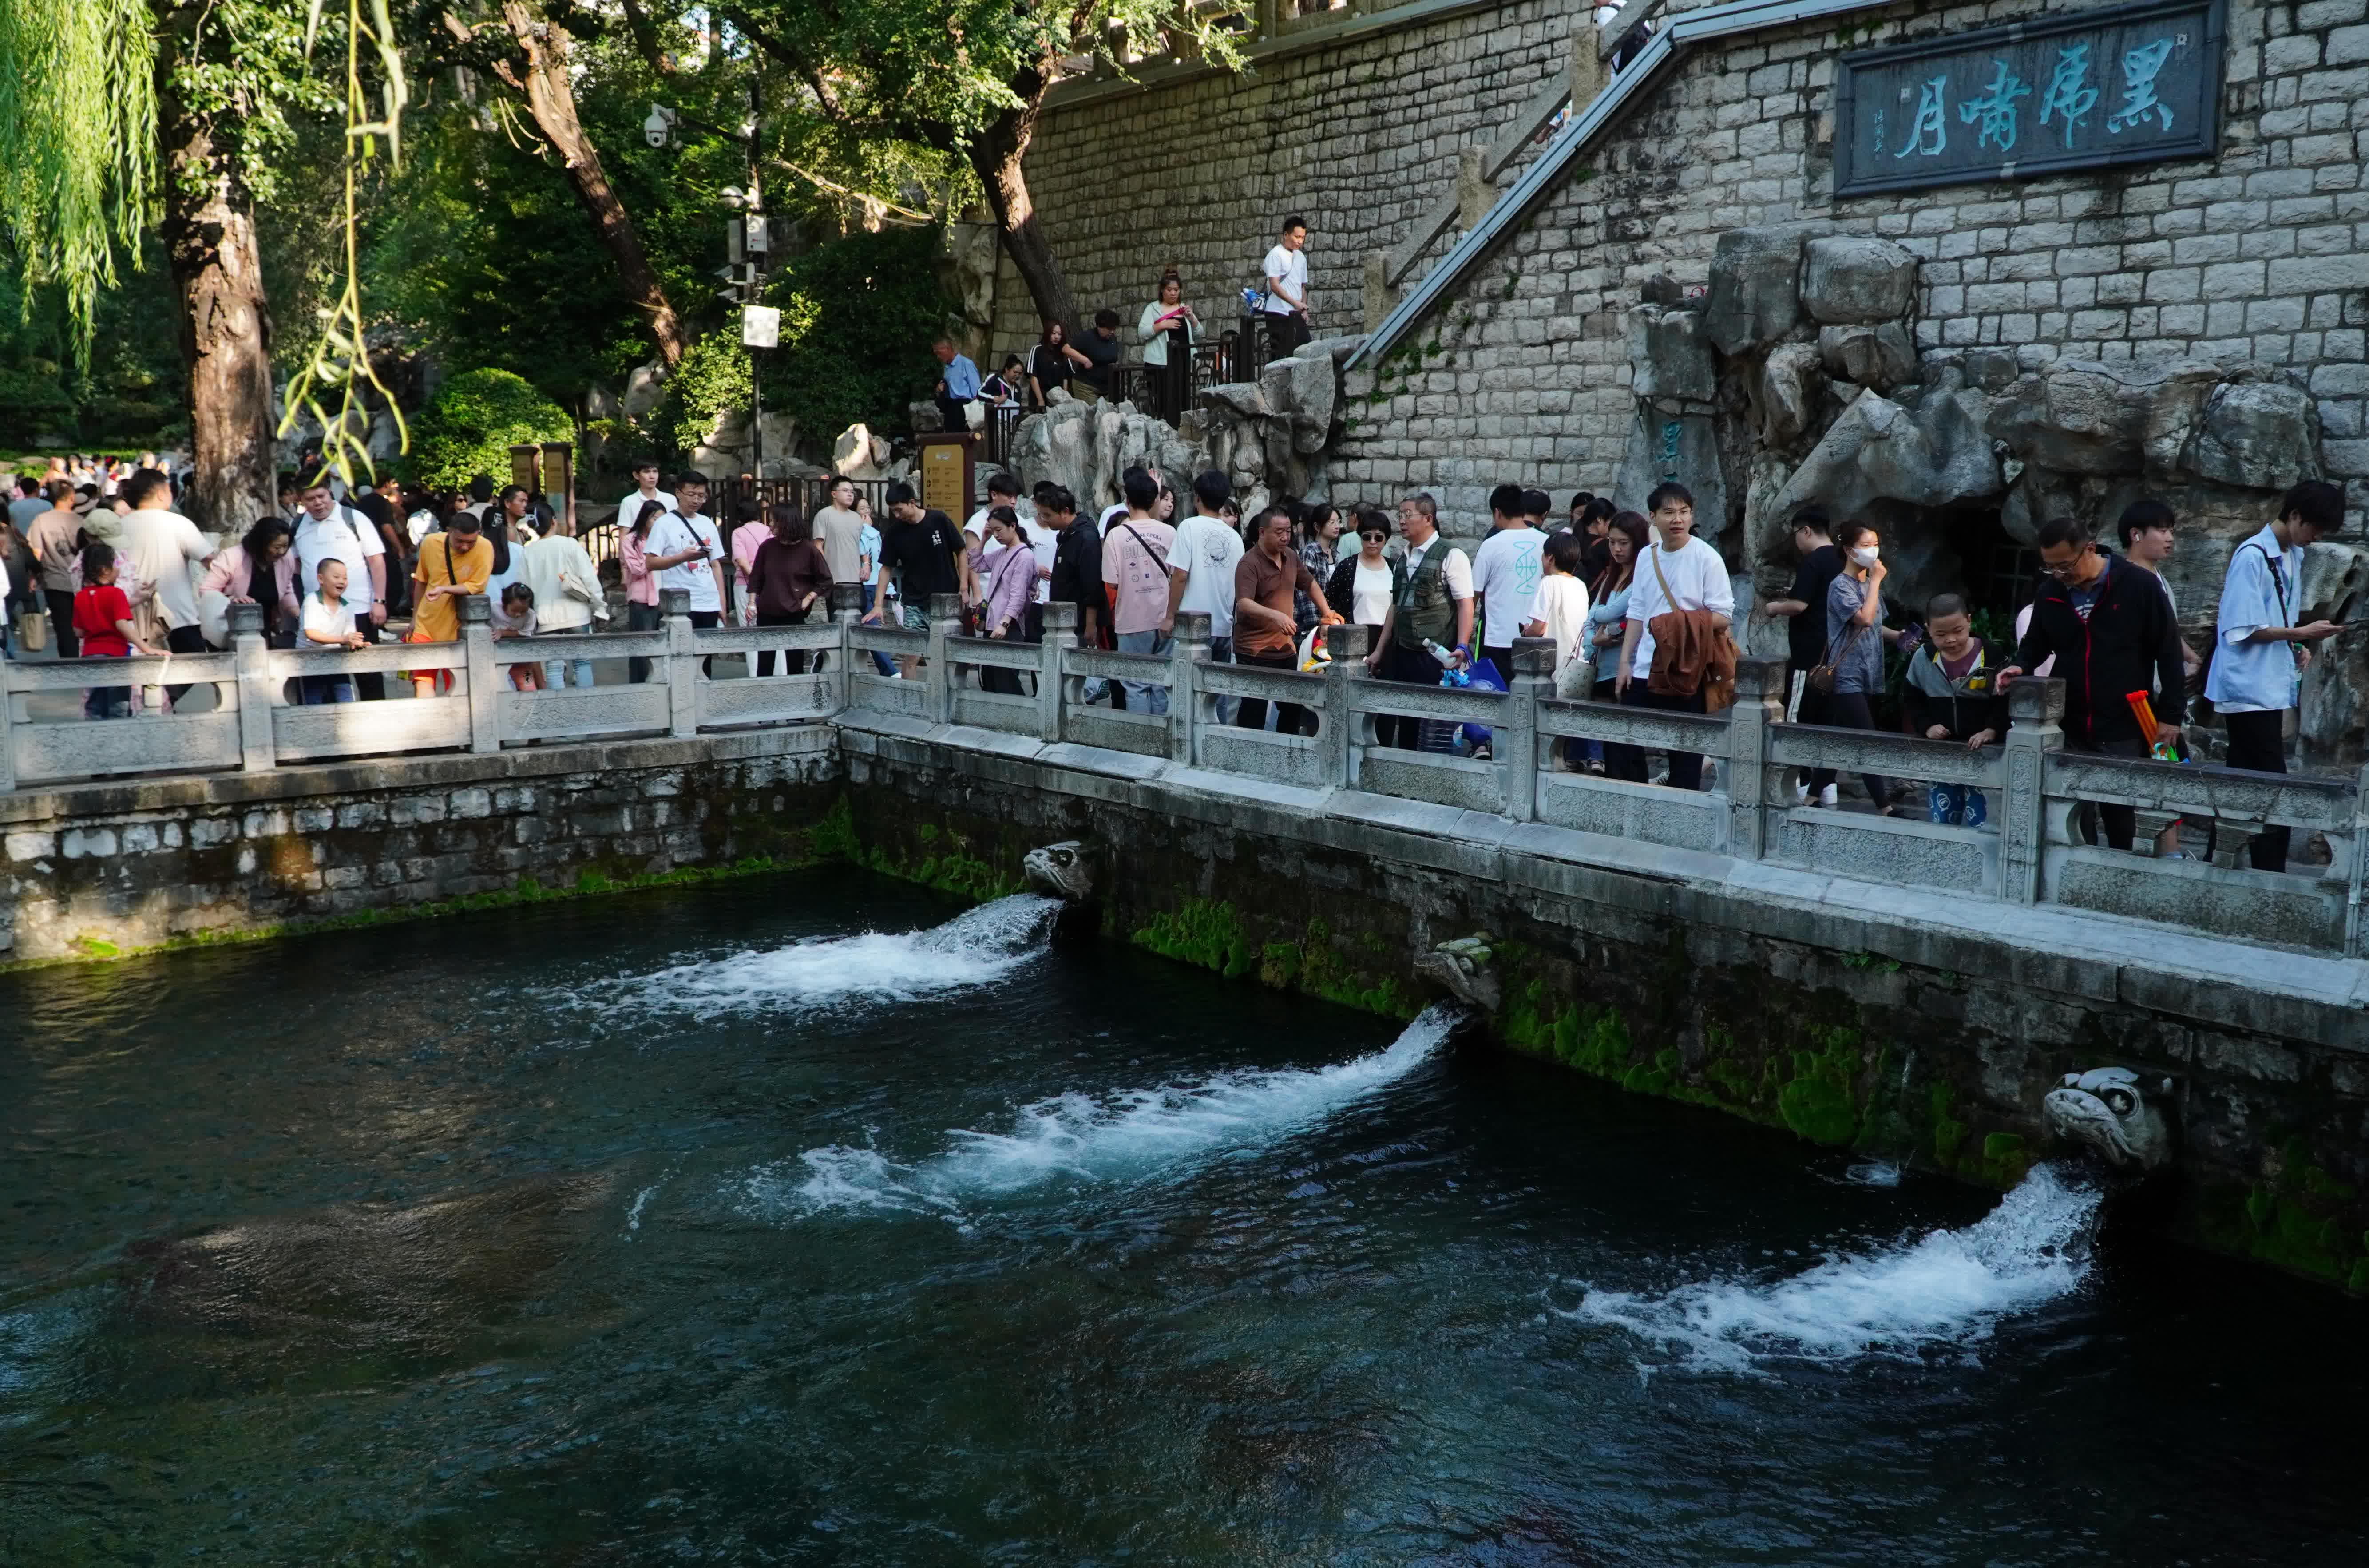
x=232 y=573
x=641 y=583
x=752 y=533
x=1011 y=574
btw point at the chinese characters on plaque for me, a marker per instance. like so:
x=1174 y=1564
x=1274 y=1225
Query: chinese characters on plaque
x=2129 y=83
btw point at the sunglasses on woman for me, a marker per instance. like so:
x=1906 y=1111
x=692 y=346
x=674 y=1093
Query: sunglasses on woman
x=1372 y=535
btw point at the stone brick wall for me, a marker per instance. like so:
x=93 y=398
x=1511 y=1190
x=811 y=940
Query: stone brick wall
x=103 y=867
x=2261 y=253
x=1359 y=136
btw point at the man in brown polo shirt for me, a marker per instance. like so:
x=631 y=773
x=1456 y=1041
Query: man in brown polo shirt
x=1264 y=632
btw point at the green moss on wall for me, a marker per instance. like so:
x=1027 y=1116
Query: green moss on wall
x=1817 y=1102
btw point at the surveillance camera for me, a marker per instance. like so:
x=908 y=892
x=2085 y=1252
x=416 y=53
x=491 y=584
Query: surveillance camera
x=654 y=131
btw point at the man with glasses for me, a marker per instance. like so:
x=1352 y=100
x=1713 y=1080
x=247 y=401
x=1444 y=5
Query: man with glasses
x=2112 y=632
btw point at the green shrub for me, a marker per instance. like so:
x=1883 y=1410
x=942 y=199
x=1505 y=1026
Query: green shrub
x=469 y=427
x=712 y=377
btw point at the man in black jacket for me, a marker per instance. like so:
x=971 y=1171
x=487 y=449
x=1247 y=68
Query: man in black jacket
x=2111 y=632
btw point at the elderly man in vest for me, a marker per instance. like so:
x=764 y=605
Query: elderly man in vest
x=1434 y=605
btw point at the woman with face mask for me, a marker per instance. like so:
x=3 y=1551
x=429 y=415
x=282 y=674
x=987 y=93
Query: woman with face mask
x=1854 y=639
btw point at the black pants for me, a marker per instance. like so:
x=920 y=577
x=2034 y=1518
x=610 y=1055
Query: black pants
x=62 y=621
x=2120 y=822
x=1849 y=710
x=2258 y=744
x=641 y=618
x=1289 y=716
x=1411 y=666
x=950 y=412
x=1622 y=762
x=702 y=621
x=182 y=639
x=370 y=685
x=1817 y=708
x=793 y=662
x=1285 y=334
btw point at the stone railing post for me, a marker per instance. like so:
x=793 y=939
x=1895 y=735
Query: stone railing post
x=7 y=720
x=1337 y=736
x=2034 y=710
x=484 y=676
x=1760 y=691
x=946 y=621
x=2356 y=930
x=1060 y=632
x=847 y=609
x=1589 y=73
x=682 y=663
x=258 y=747
x=1517 y=745
x=1188 y=654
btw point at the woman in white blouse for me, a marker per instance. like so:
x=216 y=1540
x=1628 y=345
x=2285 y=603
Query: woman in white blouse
x=1366 y=584
x=1560 y=614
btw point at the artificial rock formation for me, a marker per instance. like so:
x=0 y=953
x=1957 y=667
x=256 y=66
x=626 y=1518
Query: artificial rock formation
x=1270 y=435
x=1795 y=377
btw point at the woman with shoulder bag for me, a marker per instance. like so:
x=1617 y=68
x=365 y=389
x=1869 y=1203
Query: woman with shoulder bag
x=1607 y=619
x=1559 y=610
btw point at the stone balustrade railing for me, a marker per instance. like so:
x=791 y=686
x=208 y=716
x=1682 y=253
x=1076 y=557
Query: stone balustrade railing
x=2027 y=850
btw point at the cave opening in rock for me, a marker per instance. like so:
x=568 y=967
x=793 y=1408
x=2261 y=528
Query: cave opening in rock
x=1962 y=550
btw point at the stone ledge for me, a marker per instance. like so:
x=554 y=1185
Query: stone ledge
x=2097 y=959
x=185 y=790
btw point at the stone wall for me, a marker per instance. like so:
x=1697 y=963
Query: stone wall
x=1868 y=1019
x=2259 y=254
x=1360 y=136
x=102 y=868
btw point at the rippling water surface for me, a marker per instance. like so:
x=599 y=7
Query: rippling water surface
x=815 y=1221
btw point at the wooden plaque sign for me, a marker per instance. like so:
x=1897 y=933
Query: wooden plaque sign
x=942 y=473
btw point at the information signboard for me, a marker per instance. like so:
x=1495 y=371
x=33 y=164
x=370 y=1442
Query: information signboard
x=2124 y=84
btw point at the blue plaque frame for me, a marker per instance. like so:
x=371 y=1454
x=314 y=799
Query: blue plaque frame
x=1868 y=81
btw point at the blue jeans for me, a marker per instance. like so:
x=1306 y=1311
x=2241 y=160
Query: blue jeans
x=1142 y=696
x=880 y=661
x=1221 y=651
x=315 y=691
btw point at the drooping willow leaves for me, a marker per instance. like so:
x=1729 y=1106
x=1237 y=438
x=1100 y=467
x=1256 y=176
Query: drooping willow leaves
x=78 y=142
x=341 y=365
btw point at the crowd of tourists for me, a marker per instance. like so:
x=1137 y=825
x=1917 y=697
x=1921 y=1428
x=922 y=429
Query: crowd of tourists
x=1169 y=331
x=1637 y=610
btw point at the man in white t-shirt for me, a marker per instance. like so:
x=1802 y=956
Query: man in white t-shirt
x=702 y=578
x=1679 y=573
x=1433 y=604
x=1287 y=319
x=326 y=529
x=1201 y=572
x=1505 y=572
x=645 y=488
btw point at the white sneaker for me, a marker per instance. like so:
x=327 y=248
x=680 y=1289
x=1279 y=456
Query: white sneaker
x=1829 y=796
x=1802 y=794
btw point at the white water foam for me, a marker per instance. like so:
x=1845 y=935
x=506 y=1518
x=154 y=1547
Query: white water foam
x=1948 y=1287
x=975 y=948
x=1115 y=1134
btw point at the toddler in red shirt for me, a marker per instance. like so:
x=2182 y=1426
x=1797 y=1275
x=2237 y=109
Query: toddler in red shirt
x=102 y=619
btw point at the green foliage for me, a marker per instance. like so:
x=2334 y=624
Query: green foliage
x=125 y=394
x=470 y=425
x=857 y=318
x=1203 y=933
x=712 y=379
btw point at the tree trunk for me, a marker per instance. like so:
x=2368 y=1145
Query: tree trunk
x=551 y=98
x=995 y=154
x=225 y=321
